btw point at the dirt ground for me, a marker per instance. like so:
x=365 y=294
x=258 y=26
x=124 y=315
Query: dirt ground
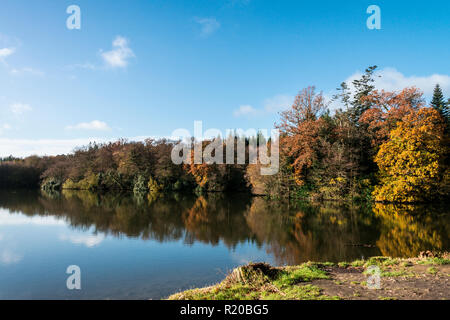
x=411 y=282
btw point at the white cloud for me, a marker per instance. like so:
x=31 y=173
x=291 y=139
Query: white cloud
x=89 y=241
x=245 y=110
x=208 y=25
x=119 y=55
x=5 y=52
x=270 y=106
x=390 y=79
x=20 y=108
x=93 y=125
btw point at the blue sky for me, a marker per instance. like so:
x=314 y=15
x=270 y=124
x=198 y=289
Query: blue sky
x=146 y=68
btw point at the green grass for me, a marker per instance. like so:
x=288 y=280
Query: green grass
x=388 y=272
x=302 y=292
x=432 y=270
x=235 y=292
x=327 y=264
x=302 y=274
x=358 y=263
x=248 y=292
x=381 y=261
x=375 y=261
x=434 y=261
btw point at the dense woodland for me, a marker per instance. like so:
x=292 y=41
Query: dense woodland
x=379 y=145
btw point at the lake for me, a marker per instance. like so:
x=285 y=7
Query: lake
x=144 y=247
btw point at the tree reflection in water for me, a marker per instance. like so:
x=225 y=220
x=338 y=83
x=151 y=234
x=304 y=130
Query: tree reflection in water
x=292 y=234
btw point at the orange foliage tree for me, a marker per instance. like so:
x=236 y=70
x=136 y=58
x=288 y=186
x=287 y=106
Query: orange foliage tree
x=386 y=109
x=299 y=131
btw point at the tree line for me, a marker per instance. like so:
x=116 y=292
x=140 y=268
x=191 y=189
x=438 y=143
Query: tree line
x=376 y=145
x=120 y=165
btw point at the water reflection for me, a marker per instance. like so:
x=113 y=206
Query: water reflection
x=407 y=229
x=289 y=233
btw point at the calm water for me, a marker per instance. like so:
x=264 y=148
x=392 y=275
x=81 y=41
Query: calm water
x=143 y=248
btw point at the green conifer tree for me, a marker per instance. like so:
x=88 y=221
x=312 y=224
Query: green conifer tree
x=438 y=102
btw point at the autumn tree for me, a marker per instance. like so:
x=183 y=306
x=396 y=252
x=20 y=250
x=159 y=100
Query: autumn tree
x=299 y=132
x=199 y=171
x=213 y=176
x=411 y=161
x=386 y=109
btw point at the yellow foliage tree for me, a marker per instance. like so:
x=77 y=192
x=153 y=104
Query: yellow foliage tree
x=411 y=162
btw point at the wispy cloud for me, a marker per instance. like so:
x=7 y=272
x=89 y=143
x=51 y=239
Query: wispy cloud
x=87 y=65
x=271 y=105
x=23 y=71
x=207 y=25
x=245 y=110
x=93 y=125
x=20 y=108
x=120 y=54
x=8 y=51
x=278 y=103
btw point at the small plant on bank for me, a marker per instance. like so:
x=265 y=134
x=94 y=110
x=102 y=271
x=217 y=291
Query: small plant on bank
x=432 y=270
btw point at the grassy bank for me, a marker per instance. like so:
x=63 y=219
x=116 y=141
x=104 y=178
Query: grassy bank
x=425 y=277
